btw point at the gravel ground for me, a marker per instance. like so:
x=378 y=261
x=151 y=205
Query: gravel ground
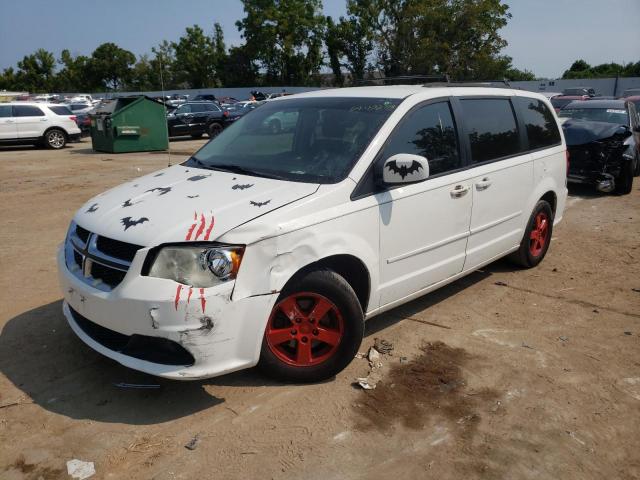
x=506 y=373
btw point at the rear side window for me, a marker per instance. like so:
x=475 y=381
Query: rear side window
x=198 y=107
x=5 y=111
x=491 y=127
x=27 y=111
x=540 y=124
x=430 y=132
x=60 y=110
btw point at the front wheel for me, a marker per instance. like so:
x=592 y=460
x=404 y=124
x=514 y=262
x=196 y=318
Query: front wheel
x=314 y=330
x=55 y=139
x=537 y=237
x=624 y=182
x=214 y=130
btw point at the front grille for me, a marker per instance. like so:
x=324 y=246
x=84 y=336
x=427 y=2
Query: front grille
x=117 y=249
x=152 y=349
x=99 y=261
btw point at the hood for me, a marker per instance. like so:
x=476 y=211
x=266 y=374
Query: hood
x=580 y=132
x=181 y=204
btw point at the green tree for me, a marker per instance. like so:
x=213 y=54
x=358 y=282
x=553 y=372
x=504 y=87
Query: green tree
x=36 y=71
x=8 y=79
x=285 y=38
x=110 y=66
x=73 y=76
x=195 y=59
x=238 y=69
x=335 y=50
x=163 y=63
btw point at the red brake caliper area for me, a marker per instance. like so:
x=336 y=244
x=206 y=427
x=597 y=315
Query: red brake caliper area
x=539 y=234
x=304 y=329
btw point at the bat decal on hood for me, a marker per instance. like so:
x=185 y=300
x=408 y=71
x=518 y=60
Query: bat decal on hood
x=92 y=208
x=127 y=203
x=159 y=174
x=259 y=204
x=195 y=178
x=242 y=187
x=162 y=190
x=128 y=222
x=403 y=171
x=193 y=196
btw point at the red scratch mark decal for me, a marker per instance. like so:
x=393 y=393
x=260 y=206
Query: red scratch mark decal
x=177 y=300
x=189 y=295
x=201 y=227
x=203 y=301
x=206 y=236
x=193 y=226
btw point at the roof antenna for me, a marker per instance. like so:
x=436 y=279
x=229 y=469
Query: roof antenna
x=164 y=104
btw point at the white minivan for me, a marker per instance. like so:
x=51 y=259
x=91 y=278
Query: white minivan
x=273 y=246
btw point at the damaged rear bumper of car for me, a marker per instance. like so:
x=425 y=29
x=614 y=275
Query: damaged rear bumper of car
x=165 y=328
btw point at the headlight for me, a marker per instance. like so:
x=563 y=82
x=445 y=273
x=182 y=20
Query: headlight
x=198 y=266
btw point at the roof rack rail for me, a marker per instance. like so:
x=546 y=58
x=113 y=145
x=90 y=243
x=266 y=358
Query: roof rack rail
x=504 y=83
x=407 y=78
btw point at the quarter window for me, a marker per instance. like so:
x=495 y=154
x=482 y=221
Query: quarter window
x=541 y=126
x=61 y=110
x=27 y=111
x=491 y=127
x=429 y=132
x=5 y=111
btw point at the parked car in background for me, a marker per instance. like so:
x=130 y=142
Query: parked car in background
x=550 y=95
x=603 y=140
x=631 y=92
x=196 y=119
x=83 y=98
x=79 y=107
x=562 y=100
x=579 y=91
x=36 y=123
x=234 y=112
x=225 y=101
x=272 y=247
x=83 y=120
x=205 y=97
x=177 y=100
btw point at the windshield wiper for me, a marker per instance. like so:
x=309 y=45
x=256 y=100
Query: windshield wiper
x=236 y=169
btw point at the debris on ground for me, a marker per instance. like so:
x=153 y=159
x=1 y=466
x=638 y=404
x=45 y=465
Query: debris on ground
x=361 y=355
x=563 y=338
x=193 y=443
x=374 y=358
x=627 y=333
x=383 y=346
x=136 y=385
x=404 y=359
x=365 y=383
x=637 y=290
x=80 y=470
x=524 y=345
x=500 y=284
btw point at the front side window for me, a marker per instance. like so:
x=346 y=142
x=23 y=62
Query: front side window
x=542 y=129
x=491 y=126
x=27 y=111
x=430 y=132
x=314 y=140
x=183 y=109
x=5 y=111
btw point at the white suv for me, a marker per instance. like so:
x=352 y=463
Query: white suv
x=273 y=246
x=45 y=124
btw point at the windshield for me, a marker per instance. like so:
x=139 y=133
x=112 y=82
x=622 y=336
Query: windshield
x=315 y=140
x=618 y=116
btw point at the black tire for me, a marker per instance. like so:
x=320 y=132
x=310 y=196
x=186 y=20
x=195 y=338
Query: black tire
x=527 y=256
x=214 y=130
x=195 y=136
x=636 y=173
x=624 y=182
x=330 y=286
x=55 y=139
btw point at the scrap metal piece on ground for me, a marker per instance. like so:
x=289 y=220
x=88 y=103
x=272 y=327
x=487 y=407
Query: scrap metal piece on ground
x=80 y=470
x=193 y=443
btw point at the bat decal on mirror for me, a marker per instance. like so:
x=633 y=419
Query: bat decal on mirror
x=404 y=170
x=129 y=222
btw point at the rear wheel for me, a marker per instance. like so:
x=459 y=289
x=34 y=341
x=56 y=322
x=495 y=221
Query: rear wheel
x=537 y=237
x=314 y=330
x=624 y=182
x=214 y=130
x=55 y=139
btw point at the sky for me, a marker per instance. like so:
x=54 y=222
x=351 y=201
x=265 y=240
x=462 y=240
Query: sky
x=544 y=36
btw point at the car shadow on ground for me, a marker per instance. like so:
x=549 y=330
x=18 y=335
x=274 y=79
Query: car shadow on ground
x=585 y=191
x=42 y=357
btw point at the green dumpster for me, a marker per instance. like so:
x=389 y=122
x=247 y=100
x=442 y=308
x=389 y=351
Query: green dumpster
x=129 y=124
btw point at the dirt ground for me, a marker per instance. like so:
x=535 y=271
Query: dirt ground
x=506 y=373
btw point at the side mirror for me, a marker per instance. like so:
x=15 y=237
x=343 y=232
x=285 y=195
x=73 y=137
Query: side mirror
x=405 y=168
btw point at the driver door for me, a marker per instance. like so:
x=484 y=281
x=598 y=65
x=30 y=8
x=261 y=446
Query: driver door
x=179 y=123
x=424 y=226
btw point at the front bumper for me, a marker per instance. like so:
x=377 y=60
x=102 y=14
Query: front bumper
x=222 y=335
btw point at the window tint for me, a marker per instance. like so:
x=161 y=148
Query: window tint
x=183 y=109
x=491 y=127
x=198 y=107
x=430 y=132
x=540 y=124
x=27 y=111
x=60 y=110
x=5 y=111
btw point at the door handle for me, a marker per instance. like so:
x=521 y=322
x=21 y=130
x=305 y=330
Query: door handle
x=43 y=119
x=459 y=191
x=483 y=184
x=10 y=121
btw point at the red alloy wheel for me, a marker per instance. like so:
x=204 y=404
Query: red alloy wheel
x=304 y=329
x=539 y=234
